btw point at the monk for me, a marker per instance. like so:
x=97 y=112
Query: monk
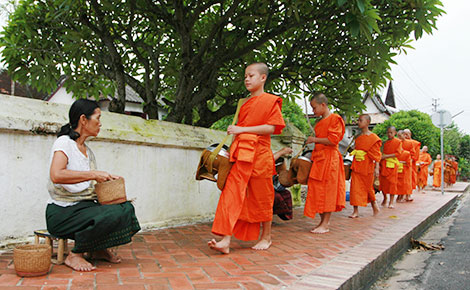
x=404 y=186
x=326 y=181
x=448 y=169
x=436 y=172
x=247 y=198
x=411 y=146
x=455 y=166
x=414 y=151
x=364 y=168
x=423 y=164
x=392 y=148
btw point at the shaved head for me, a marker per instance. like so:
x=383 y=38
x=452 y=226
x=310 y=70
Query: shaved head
x=366 y=116
x=392 y=128
x=261 y=67
x=319 y=98
x=425 y=148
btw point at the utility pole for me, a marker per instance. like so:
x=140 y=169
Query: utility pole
x=434 y=104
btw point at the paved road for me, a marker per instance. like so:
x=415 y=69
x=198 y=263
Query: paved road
x=448 y=269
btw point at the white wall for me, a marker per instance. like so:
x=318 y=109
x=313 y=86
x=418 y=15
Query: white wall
x=158 y=160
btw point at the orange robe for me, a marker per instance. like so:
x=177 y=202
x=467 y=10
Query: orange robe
x=248 y=196
x=362 y=171
x=424 y=160
x=413 y=147
x=436 y=181
x=326 y=181
x=404 y=185
x=453 y=176
x=389 y=175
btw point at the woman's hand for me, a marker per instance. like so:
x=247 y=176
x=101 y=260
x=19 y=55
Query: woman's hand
x=102 y=176
x=376 y=172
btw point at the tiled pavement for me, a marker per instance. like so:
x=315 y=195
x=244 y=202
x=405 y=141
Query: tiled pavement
x=178 y=258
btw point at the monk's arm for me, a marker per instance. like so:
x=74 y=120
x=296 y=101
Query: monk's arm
x=324 y=141
x=260 y=130
x=389 y=156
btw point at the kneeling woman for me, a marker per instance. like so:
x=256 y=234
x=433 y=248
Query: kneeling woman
x=73 y=211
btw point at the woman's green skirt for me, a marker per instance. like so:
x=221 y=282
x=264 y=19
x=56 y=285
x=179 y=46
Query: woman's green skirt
x=93 y=226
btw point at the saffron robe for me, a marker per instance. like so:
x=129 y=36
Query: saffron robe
x=412 y=146
x=389 y=175
x=436 y=181
x=453 y=176
x=326 y=181
x=404 y=185
x=424 y=162
x=448 y=169
x=415 y=158
x=248 y=195
x=362 y=171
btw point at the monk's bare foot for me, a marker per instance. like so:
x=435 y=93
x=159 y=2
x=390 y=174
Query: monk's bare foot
x=221 y=246
x=106 y=255
x=375 y=209
x=320 y=230
x=354 y=216
x=409 y=199
x=78 y=263
x=384 y=203
x=262 y=245
x=391 y=205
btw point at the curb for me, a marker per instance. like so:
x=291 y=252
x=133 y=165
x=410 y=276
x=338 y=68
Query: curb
x=368 y=274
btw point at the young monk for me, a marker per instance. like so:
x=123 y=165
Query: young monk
x=365 y=167
x=436 y=172
x=389 y=167
x=247 y=198
x=404 y=186
x=414 y=151
x=326 y=182
x=423 y=164
x=455 y=166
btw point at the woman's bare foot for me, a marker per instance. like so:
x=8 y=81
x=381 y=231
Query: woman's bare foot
x=78 y=263
x=106 y=255
x=262 y=245
x=221 y=246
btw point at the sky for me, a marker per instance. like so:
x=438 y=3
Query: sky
x=438 y=67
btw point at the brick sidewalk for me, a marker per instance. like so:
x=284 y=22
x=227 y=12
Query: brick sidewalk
x=178 y=258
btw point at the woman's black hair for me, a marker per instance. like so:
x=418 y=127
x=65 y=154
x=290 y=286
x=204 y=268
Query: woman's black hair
x=78 y=108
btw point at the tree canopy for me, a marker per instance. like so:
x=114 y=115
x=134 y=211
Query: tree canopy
x=189 y=56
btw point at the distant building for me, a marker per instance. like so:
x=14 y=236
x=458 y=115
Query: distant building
x=9 y=87
x=134 y=103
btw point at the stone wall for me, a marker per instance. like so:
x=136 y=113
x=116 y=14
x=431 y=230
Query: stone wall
x=157 y=159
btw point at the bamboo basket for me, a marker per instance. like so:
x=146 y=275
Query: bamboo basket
x=111 y=192
x=32 y=260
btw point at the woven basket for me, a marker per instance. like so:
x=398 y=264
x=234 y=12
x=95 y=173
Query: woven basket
x=32 y=260
x=111 y=192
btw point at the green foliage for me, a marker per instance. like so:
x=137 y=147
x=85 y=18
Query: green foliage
x=420 y=125
x=452 y=139
x=464 y=168
x=189 y=56
x=464 y=150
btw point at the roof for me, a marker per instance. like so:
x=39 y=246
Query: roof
x=131 y=95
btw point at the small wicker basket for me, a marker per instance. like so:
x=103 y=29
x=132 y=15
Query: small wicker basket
x=111 y=192
x=32 y=260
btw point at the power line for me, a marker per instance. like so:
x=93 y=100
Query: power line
x=426 y=95
x=419 y=78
